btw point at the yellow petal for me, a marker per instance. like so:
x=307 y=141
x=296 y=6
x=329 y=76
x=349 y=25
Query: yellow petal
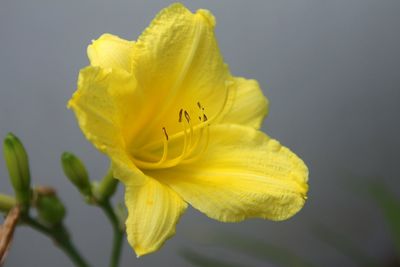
x=248 y=104
x=153 y=208
x=124 y=169
x=153 y=212
x=177 y=64
x=110 y=51
x=102 y=105
x=243 y=174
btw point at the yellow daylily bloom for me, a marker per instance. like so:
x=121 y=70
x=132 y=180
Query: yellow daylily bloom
x=180 y=129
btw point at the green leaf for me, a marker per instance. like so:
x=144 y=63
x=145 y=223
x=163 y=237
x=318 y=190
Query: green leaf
x=390 y=207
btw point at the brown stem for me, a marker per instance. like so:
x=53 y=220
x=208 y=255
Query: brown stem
x=7 y=232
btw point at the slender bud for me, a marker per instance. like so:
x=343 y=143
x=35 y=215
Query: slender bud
x=76 y=173
x=51 y=210
x=18 y=168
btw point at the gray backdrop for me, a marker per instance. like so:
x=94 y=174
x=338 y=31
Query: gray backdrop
x=329 y=68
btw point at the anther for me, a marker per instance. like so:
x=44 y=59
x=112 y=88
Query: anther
x=198 y=104
x=199 y=118
x=205 y=117
x=165 y=132
x=180 y=115
x=187 y=116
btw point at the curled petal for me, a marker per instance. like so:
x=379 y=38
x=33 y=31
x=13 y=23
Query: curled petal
x=103 y=105
x=110 y=51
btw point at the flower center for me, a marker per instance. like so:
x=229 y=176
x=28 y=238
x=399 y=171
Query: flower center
x=185 y=145
x=195 y=138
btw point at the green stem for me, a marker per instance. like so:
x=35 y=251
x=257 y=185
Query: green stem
x=6 y=203
x=118 y=232
x=61 y=237
x=106 y=187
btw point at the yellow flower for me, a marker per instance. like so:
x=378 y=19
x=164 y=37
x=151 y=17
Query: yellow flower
x=180 y=129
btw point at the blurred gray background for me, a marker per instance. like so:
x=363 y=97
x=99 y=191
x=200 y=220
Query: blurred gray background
x=331 y=70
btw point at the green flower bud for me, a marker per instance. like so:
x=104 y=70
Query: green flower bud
x=18 y=168
x=51 y=210
x=76 y=173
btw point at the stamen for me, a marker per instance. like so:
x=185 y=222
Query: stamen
x=194 y=143
x=199 y=138
x=191 y=127
x=180 y=115
x=165 y=152
x=165 y=148
x=164 y=155
x=185 y=141
x=181 y=157
x=165 y=132
x=187 y=145
x=204 y=147
x=187 y=116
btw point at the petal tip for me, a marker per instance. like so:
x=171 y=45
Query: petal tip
x=69 y=104
x=72 y=101
x=141 y=250
x=208 y=16
x=110 y=51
